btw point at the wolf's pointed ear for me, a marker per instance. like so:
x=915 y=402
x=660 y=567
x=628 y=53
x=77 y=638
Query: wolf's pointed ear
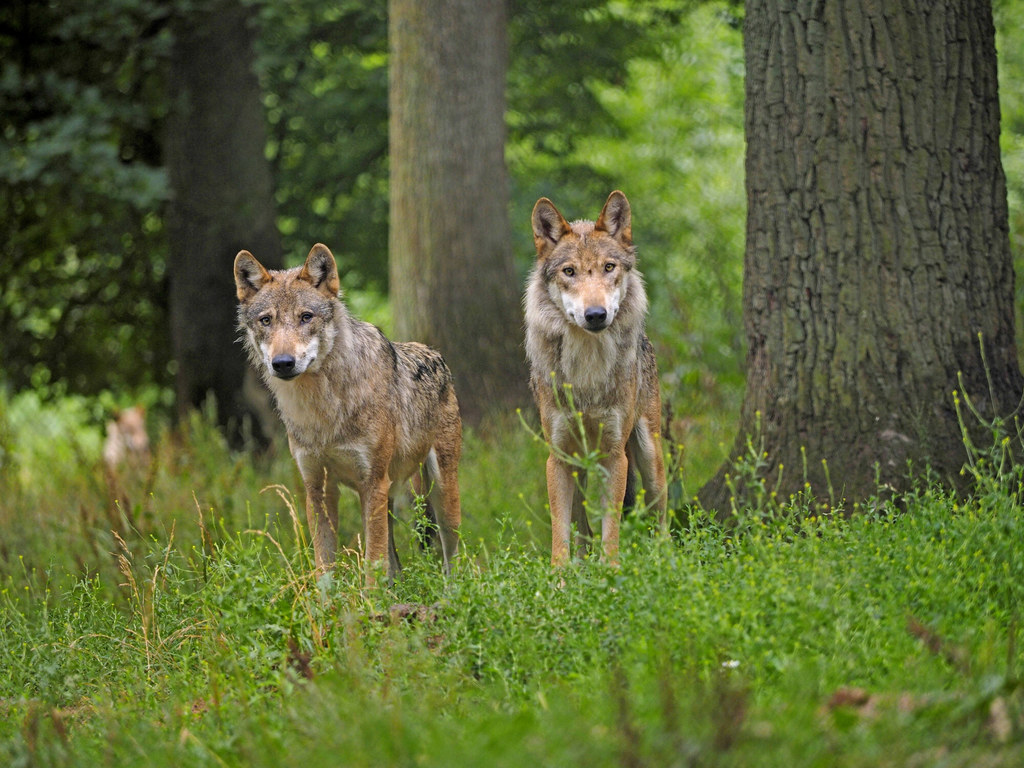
x=548 y=227
x=250 y=276
x=615 y=218
x=321 y=271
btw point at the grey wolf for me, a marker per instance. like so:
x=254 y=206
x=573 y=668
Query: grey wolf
x=359 y=409
x=585 y=307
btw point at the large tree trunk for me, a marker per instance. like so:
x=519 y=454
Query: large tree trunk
x=223 y=202
x=453 y=281
x=877 y=240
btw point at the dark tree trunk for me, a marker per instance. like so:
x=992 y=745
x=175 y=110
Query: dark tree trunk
x=453 y=280
x=216 y=138
x=877 y=240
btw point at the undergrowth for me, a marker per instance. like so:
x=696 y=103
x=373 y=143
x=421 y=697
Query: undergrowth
x=198 y=633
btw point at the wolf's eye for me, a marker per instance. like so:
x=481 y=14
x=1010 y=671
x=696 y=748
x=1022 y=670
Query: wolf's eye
x=265 y=320
x=568 y=271
x=609 y=266
x=305 y=317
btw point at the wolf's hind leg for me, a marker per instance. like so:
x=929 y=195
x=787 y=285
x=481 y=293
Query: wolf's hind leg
x=375 y=503
x=394 y=564
x=443 y=468
x=322 y=515
x=645 y=452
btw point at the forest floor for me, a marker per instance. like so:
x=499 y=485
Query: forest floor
x=183 y=624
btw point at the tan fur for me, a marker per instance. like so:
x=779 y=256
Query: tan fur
x=359 y=409
x=127 y=439
x=585 y=307
x=127 y=468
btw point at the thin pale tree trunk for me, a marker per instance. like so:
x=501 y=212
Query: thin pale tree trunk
x=452 y=276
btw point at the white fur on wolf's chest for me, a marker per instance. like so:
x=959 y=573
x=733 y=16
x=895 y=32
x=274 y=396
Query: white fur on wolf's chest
x=337 y=438
x=314 y=436
x=298 y=407
x=588 y=361
x=348 y=464
x=301 y=403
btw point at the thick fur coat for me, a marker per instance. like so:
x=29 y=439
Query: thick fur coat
x=585 y=308
x=359 y=409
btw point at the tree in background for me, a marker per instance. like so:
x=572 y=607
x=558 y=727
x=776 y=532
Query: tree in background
x=223 y=200
x=323 y=67
x=97 y=106
x=84 y=199
x=453 y=281
x=877 y=252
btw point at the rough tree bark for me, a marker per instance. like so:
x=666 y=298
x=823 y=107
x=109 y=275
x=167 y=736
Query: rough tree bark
x=877 y=240
x=453 y=279
x=223 y=202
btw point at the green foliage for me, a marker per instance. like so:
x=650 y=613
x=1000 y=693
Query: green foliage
x=62 y=507
x=560 y=54
x=202 y=636
x=1009 y=17
x=323 y=68
x=81 y=187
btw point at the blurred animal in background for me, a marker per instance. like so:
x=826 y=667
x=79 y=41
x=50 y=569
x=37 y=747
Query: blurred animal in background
x=127 y=440
x=126 y=461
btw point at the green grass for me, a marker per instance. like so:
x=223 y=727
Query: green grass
x=195 y=634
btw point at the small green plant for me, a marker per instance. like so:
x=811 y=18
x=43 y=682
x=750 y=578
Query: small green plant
x=754 y=495
x=995 y=466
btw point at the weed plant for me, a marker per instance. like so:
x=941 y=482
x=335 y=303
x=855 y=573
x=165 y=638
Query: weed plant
x=200 y=635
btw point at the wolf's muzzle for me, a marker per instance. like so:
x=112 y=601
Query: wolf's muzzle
x=284 y=367
x=596 y=318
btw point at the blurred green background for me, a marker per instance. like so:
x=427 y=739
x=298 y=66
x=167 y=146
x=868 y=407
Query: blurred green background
x=644 y=96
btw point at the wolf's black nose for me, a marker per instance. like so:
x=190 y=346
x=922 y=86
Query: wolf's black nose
x=595 y=316
x=284 y=365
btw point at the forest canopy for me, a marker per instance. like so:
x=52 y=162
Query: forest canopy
x=643 y=96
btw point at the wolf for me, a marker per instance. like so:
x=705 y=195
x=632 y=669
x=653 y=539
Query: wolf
x=592 y=369
x=359 y=409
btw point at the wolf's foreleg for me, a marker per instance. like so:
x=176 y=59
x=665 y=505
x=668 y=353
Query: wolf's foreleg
x=561 y=487
x=373 y=500
x=322 y=516
x=616 y=468
x=645 y=453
